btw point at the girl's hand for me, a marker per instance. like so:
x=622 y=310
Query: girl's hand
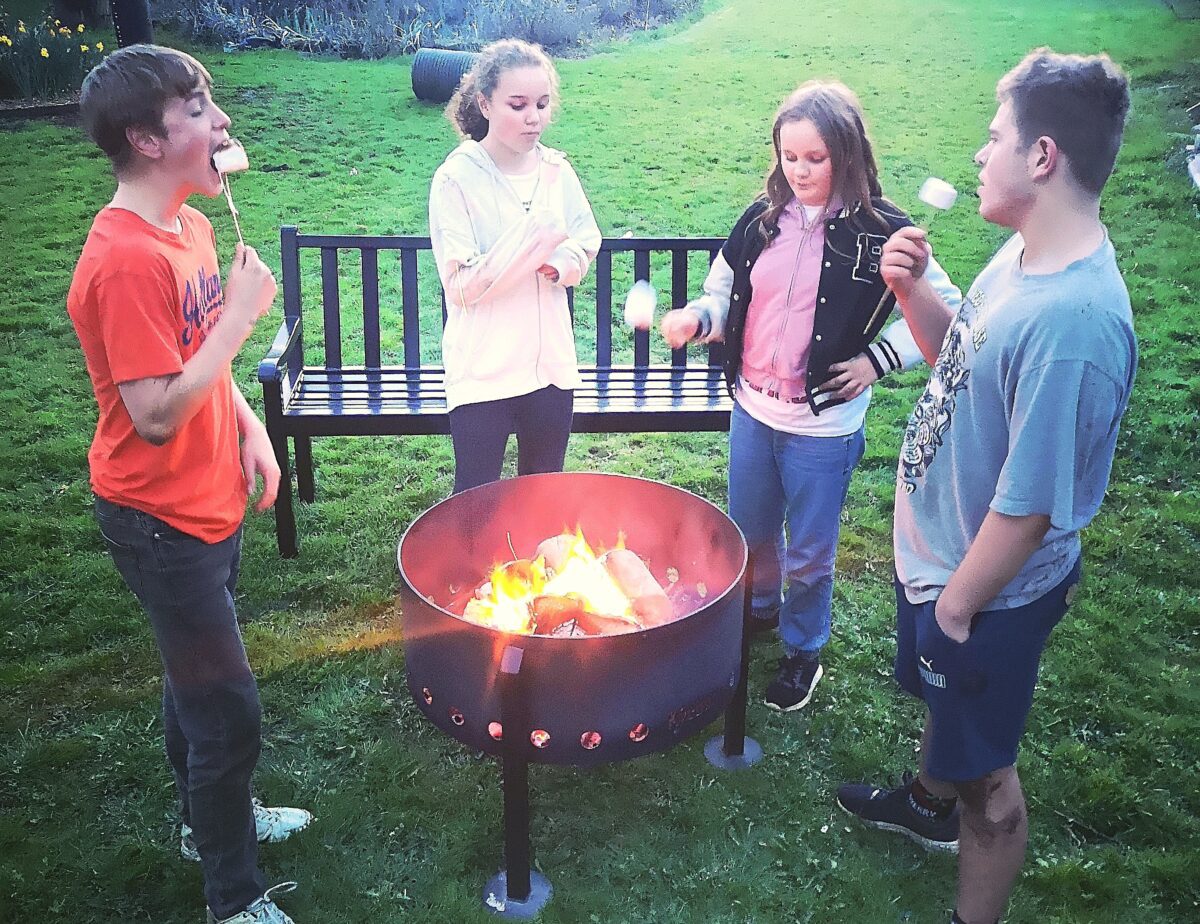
x=549 y=272
x=679 y=327
x=850 y=379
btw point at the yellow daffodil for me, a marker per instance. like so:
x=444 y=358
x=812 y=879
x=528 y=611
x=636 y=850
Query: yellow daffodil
x=20 y=26
x=64 y=31
x=83 y=48
x=99 y=46
x=57 y=23
x=5 y=40
x=45 y=54
x=80 y=29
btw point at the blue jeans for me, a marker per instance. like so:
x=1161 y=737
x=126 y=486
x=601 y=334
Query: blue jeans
x=541 y=420
x=211 y=711
x=786 y=493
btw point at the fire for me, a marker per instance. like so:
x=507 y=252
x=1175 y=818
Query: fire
x=565 y=587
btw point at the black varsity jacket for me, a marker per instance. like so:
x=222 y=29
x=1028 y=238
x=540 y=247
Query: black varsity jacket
x=847 y=295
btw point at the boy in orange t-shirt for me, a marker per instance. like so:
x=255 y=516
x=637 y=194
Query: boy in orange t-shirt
x=177 y=449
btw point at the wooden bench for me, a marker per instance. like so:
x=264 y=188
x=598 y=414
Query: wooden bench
x=396 y=388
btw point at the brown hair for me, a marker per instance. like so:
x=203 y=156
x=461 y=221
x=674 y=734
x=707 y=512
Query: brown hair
x=463 y=110
x=835 y=111
x=130 y=89
x=1079 y=101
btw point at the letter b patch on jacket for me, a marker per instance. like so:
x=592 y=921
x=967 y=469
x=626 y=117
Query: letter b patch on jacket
x=870 y=252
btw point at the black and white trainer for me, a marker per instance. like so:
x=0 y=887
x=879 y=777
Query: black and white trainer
x=794 y=683
x=897 y=810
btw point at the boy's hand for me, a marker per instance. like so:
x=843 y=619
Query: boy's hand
x=250 y=289
x=905 y=259
x=259 y=459
x=679 y=326
x=850 y=379
x=549 y=272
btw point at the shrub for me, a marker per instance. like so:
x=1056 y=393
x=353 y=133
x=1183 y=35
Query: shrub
x=45 y=60
x=376 y=28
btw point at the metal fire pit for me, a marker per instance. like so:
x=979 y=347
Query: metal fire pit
x=580 y=701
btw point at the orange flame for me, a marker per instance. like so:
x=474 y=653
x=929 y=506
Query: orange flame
x=506 y=602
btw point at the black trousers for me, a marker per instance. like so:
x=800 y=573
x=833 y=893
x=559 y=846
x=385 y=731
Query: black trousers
x=541 y=420
x=211 y=710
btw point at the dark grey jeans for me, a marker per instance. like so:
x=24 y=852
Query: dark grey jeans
x=211 y=711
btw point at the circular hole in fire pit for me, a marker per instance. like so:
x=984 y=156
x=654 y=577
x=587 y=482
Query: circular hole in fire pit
x=539 y=738
x=456 y=716
x=639 y=732
x=496 y=730
x=590 y=740
x=427 y=696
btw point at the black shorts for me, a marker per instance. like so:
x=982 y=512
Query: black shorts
x=978 y=692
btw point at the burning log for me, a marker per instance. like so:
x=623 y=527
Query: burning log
x=648 y=601
x=565 y=590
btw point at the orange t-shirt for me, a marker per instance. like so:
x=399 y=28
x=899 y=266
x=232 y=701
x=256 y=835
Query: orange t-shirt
x=142 y=301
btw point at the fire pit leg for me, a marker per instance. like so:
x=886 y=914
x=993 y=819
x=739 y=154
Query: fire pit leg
x=733 y=750
x=516 y=891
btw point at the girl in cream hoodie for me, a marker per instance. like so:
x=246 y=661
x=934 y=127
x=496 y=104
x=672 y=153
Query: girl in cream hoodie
x=511 y=230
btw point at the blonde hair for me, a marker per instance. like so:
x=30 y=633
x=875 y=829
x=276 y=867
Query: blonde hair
x=834 y=110
x=463 y=110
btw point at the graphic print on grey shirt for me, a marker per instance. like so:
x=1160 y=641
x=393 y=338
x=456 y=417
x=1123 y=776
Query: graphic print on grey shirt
x=1020 y=416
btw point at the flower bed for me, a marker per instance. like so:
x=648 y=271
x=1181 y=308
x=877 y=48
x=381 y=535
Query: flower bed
x=45 y=61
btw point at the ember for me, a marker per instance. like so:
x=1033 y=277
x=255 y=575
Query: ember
x=568 y=591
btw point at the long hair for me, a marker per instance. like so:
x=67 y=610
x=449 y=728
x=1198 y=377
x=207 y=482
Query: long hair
x=835 y=112
x=463 y=109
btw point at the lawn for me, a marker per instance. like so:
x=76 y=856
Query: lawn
x=669 y=132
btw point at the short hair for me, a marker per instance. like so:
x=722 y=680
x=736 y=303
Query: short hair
x=131 y=89
x=1080 y=101
x=463 y=110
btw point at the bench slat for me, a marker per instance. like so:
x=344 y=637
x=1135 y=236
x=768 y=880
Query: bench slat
x=331 y=306
x=641 y=338
x=370 y=285
x=411 y=306
x=679 y=296
x=603 y=308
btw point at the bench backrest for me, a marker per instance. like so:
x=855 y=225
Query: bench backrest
x=684 y=259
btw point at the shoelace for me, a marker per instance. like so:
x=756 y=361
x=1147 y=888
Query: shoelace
x=267 y=903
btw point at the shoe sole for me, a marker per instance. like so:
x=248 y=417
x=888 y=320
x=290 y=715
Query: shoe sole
x=804 y=702
x=195 y=857
x=269 y=839
x=932 y=846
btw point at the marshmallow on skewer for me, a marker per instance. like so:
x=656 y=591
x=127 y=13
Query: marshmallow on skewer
x=639 y=305
x=934 y=192
x=938 y=193
x=231 y=158
x=226 y=160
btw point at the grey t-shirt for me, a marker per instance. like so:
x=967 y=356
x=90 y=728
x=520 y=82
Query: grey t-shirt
x=1020 y=416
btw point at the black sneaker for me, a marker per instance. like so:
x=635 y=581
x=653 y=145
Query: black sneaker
x=763 y=619
x=793 y=685
x=896 y=810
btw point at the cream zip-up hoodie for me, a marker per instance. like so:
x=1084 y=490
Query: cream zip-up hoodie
x=508 y=330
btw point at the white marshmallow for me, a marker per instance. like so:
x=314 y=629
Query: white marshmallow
x=938 y=193
x=231 y=159
x=639 y=305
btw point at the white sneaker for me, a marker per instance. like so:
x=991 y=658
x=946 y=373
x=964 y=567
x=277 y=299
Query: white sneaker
x=260 y=911
x=272 y=825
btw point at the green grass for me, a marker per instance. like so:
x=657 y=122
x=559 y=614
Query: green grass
x=669 y=133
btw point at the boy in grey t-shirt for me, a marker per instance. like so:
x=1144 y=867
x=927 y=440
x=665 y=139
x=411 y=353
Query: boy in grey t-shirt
x=1005 y=458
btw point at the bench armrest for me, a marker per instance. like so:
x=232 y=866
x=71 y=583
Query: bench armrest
x=285 y=353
